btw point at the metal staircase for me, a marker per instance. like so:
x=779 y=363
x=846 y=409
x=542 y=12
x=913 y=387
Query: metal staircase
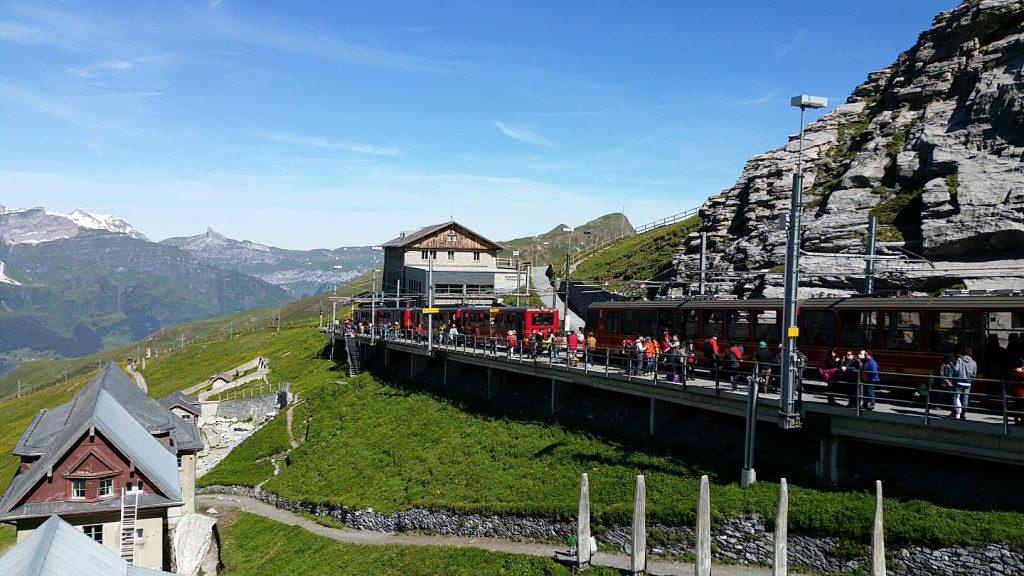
x=352 y=349
x=129 y=512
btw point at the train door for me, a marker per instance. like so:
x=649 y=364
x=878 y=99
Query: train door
x=1002 y=348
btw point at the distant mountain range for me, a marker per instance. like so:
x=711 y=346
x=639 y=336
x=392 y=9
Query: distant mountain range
x=72 y=284
x=300 y=272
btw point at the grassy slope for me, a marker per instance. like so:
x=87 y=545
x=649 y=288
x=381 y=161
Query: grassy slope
x=256 y=545
x=642 y=257
x=388 y=447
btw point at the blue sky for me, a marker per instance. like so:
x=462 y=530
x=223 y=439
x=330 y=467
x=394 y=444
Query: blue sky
x=325 y=124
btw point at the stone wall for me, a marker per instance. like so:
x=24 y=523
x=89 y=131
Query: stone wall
x=743 y=540
x=255 y=408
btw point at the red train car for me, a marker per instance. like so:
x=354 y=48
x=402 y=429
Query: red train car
x=908 y=335
x=475 y=322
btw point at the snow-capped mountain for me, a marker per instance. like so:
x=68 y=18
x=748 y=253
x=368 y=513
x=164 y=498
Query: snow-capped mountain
x=35 y=225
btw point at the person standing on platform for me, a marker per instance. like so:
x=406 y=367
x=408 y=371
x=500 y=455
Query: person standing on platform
x=871 y=378
x=964 y=370
x=588 y=353
x=574 y=343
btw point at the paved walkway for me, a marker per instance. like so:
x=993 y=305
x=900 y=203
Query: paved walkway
x=620 y=561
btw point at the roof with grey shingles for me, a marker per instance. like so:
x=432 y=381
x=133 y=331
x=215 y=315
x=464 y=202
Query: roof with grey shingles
x=181 y=400
x=417 y=235
x=57 y=549
x=111 y=403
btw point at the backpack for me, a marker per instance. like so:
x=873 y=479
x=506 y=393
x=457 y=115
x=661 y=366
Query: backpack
x=709 y=350
x=733 y=357
x=627 y=344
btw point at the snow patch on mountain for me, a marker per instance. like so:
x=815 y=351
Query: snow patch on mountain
x=36 y=225
x=5 y=279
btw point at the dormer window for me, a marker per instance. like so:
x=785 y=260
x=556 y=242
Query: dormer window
x=78 y=489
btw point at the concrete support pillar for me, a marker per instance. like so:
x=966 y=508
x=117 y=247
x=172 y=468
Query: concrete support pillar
x=780 y=563
x=583 y=551
x=831 y=459
x=452 y=370
x=878 y=535
x=562 y=393
x=417 y=364
x=638 y=556
x=494 y=381
x=703 y=552
x=650 y=419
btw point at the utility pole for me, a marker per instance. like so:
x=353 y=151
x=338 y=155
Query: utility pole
x=565 y=304
x=278 y=319
x=869 y=277
x=703 y=260
x=430 y=300
x=788 y=417
x=373 y=302
x=182 y=341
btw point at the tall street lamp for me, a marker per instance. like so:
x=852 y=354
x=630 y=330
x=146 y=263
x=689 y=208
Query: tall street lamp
x=788 y=418
x=565 y=303
x=373 y=294
x=334 y=301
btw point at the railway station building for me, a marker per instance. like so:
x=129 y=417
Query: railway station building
x=466 y=267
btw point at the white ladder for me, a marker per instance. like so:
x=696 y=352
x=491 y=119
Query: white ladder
x=129 y=511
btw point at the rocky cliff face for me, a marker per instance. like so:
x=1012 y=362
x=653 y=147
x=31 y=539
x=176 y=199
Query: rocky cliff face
x=932 y=146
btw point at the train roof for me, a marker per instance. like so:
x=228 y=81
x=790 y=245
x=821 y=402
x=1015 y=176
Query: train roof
x=854 y=302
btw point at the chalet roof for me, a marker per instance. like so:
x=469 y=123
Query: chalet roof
x=119 y=415
x=225 y=376
x=181 y=400
x=57 y=548
x=410 y=238
x=44 y=428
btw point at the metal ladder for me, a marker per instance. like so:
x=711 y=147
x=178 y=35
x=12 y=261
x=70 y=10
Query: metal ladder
x=129 y=512
x=352 y=349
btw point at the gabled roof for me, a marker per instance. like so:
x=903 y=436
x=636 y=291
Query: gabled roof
x=181 y=400
x=51 y=438
x=57 y=548
x=415 y=236
x=40 y=434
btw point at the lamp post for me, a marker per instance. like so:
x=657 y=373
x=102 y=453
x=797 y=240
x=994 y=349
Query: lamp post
x=533 y=262
x=565 y=303
x=373 y=295
x=334 y=301
x=788 y=418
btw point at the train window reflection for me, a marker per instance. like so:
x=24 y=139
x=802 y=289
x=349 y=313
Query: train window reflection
x=739 y=325
x=648 y=322
x=712 y=323
x=857 y=328
x=767 y=327
x=1003 y=342
x=817 y=327
x=903 y=330
x=690 y=323
x=951 y=331
x=629 y=321
x=611 y=322
x=543 y=318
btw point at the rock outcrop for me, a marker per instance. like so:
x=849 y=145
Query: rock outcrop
x=932 y=146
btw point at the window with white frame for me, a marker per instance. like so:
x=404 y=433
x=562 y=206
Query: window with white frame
x=77 y=489
x=451 y=255
x=476 y=256
x=94 y=531
x=106 y=487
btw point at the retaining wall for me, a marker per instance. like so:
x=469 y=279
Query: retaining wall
x=743 y=540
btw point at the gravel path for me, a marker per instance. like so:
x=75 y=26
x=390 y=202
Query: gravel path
x=620 y=561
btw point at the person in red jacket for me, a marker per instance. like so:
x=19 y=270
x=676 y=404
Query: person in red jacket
x=574 y=344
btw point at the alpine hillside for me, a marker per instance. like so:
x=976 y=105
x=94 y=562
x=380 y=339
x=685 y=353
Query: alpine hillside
x=74 y=284
x=932 y=146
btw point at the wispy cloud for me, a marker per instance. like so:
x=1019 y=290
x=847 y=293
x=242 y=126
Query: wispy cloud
x=569 y=114
x=792 y=45
x=324 y=143
x=522 y=134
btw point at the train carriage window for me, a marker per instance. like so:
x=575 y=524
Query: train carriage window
x=648 y=322
x=611 y=322
x=542 y=318
x=903 y=330
x=690 y=323
x=767 y=327
x=739 y=325
x=629 y=322
x=1002 y=345
x=857 y=328
x=591 y=320
x=817 y=327
x=951 y=331
x=713 y=323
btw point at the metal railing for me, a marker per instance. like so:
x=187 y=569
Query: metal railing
x=667 y=220
x=990 y=401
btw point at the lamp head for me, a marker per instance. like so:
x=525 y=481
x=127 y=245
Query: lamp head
x=804 y=101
